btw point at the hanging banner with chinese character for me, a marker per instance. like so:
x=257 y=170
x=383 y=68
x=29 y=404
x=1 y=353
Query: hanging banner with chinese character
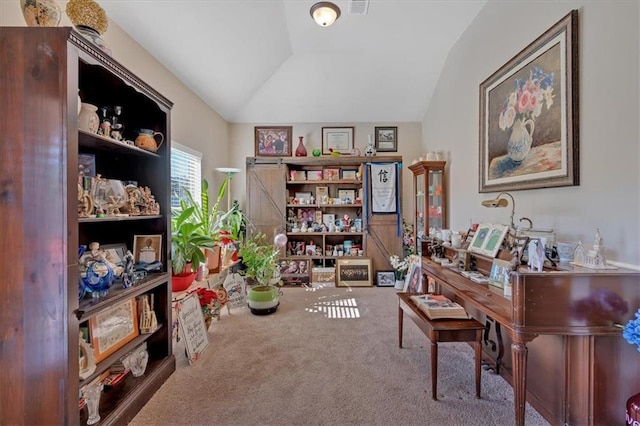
x=383 y=188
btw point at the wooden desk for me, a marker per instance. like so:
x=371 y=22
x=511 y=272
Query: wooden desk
x=441 y=330
x=584 y=370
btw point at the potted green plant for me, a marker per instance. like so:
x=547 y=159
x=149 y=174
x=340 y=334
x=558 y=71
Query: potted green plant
x=261 y=270
x=187 y=243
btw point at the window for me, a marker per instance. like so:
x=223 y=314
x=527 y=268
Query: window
x=186 y=165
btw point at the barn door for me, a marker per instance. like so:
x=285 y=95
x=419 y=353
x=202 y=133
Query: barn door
x=266 y=198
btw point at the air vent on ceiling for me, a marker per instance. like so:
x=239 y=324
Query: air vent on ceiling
x=358 y=7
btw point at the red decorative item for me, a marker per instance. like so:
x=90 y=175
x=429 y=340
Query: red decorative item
x=633 y=410
x=301 y=151
x=182 y=282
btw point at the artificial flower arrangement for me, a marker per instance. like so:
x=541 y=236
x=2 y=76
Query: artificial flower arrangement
x=528 y=98
x=402 y=266
x=631 y=331
x=408 y=241
x=211 y=303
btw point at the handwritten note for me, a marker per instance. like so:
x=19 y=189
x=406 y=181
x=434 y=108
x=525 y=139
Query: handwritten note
x=191 y=325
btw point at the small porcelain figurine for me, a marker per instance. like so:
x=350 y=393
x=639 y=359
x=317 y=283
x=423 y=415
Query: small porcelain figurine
x=535 y=252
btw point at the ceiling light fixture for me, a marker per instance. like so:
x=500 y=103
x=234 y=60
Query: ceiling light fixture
x=325 y=13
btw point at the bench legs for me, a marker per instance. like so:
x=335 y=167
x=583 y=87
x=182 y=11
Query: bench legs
x=434 y=370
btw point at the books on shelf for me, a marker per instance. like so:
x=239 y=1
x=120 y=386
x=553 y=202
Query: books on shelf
x=437 y=306
x=476 y=277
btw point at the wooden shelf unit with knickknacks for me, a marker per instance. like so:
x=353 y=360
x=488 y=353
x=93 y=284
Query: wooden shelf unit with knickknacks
x=45 y=72
x=429 y=197
x=318 y=203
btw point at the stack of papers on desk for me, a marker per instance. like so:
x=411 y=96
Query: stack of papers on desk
x=437 y=306
x=476 y=277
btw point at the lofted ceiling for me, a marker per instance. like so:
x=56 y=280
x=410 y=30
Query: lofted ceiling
x=267 y=61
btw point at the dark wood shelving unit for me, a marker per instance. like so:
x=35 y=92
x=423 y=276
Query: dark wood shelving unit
x=44 y=71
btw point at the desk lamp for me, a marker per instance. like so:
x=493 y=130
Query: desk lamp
x=230 y=171
x=502 y=202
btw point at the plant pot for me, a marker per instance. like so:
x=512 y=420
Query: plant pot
x=181 y=282
x=263 y=299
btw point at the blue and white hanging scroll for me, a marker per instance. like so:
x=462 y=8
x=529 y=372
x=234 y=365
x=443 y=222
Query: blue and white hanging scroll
x=383 y=188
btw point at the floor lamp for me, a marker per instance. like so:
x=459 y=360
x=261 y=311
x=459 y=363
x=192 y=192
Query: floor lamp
x=229 y=171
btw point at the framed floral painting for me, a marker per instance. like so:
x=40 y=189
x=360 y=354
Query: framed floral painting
x=529 y=115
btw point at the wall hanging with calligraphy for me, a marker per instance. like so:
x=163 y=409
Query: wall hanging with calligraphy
x=383 y=188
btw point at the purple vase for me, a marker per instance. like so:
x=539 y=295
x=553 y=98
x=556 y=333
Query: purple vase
x=301 y=151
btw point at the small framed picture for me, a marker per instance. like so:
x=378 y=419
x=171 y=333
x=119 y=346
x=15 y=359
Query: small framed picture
x=314 y=174
x=295 y=271
x=273 y=141
x=303 y=197
x=147 y=248
x=328 y=218
x=337 y=139
x=488 y=239
x=385 y=278
x=112 y=329
x=86 y=165
x=500 y=273
x=386 y=139
x=331 y=174
x=115 y=253
x=348 y=174
x=322 y=194
x=353 y=272
x=413 y=279
x=348 y=196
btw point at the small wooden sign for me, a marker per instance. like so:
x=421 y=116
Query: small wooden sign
x=192 y=328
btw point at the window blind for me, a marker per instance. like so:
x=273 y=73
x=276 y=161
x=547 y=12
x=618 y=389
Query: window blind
x=186 y=173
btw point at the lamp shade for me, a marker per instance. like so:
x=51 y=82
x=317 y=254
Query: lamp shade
x=325 y=13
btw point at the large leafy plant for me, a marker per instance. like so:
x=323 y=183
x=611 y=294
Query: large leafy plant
x=188 y=240
x=259 y=257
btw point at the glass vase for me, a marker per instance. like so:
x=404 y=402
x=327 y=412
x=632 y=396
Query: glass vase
x=301 y=151
x=92 y=397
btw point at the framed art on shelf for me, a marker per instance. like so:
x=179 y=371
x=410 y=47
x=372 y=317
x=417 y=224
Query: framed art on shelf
x=413 y=279
x=147 y=248
x=488 y=239
x=529 y=115
x=500 y=273
x=385 y=278
x=273 y=141
x=349 y=174
x=337 y=139
x=112 y=329
x=386 y=139
x=353 y=273
x=349 y=194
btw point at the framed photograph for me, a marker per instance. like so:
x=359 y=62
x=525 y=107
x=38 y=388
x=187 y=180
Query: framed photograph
x=329 y=218
x=386 y=139
x=529 y=115
x=385 y=278
x=349 y=194
x=273 y=141
x=488 y=239
x=337 y=139
x=303 y=197
x=147 y=248
x=112 y=329
x=295 y=271
x=314 y=174
x=331 y=174
x=353 y=272
x=349 y=174
x=413 y=279
x=500 y=273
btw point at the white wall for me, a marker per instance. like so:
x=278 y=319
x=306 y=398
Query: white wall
x=608 y=196
x=193 y=123
x=409 y=147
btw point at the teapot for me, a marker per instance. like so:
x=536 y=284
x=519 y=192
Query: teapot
x=147 y=140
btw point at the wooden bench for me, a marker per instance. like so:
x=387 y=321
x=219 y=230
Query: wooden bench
x=442 y=330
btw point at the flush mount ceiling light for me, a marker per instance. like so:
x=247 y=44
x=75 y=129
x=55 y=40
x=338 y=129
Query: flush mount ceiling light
x=325 y=13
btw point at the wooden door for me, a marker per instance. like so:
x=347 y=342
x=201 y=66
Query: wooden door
x=266 y=198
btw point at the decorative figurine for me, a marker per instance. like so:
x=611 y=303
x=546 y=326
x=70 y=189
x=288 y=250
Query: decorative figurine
x=370 y=150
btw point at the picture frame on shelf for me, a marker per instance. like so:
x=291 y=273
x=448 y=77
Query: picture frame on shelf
x=322 y=194
x=273 y=141
x=500 y=272
x=527 y=145
x=488 y=239
x=353 y=272
x=314 y=175
x=113 y=328
x=87 y=165
x=303 y=197
x=115 y=253
x=331 y=174
x=348 y=174
x=386 y=139
x=345 y=193
x=147 y=248
x=337 y=139
x=385 y=278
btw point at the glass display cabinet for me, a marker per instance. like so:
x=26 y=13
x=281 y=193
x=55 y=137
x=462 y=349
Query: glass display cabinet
x=430 y=196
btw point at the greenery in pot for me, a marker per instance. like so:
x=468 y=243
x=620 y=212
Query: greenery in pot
x=188 y=240
x=259 y=257
x=212 y=220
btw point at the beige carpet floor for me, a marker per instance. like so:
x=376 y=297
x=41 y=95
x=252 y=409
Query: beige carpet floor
x=328 y=356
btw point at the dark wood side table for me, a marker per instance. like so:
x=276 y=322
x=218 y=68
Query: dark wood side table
x=442 y=330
